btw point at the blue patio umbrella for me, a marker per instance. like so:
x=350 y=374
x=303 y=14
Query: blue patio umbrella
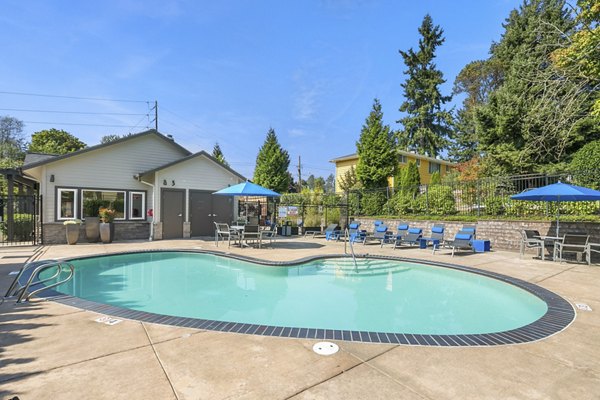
x=247 y=189
x=558 y=192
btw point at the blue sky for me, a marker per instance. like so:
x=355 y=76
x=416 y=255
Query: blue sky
x=226 y=71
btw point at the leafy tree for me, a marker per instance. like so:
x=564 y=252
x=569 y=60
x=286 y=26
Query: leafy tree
x=272 y=164
x=477 y=80
x=587 y=164
x=581 y=57
x=218 y=154
x=109 y=138
x=330 y=184
x=54 y=141
x=427 y=126
x=376 y=150
x=319 y=184
x=310 y=182
x=349 y=180
x=436 y=179
x=519 y=128
x=12 y=143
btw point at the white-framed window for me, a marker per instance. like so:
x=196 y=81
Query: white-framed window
x=137 y=205
x=402 y=159
x=447 y=168
x=66 y=204
x=418 y=161
x=434 y=167
x=92 y=200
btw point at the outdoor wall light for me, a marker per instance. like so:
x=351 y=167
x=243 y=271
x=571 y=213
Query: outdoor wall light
x=52 y=178
x=172 y=183
x=164 y=182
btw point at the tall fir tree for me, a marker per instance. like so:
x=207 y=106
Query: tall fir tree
x=272 y=162
x=218 y=154
x=376 y=148
x=427 y=125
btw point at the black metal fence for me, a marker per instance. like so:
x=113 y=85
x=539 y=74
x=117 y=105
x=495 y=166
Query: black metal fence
x=20 y=222
x=482 y=197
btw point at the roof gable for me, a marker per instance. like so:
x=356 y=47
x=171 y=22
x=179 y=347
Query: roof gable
x=104 y=147
x=198 y=154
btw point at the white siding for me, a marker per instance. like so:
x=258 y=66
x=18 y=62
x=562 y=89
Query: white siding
x=111 y=167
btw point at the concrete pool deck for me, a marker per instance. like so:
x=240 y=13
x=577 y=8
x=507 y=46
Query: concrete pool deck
x=53 y=351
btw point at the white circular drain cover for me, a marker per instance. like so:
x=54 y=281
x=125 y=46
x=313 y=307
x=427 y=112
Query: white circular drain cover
x=325 y=348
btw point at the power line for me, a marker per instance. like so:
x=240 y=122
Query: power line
x=73 y=97
x=71 y=123
x=69 y=112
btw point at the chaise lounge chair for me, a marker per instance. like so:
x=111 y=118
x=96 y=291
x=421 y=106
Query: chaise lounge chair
x=532 y=240
x=463 y=240
x=413 y=237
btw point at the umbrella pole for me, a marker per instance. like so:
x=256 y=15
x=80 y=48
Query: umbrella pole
x=557 y=217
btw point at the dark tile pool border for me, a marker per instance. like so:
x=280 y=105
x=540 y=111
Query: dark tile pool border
x=559 y=315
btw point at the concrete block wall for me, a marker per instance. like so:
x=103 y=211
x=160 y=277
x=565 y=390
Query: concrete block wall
x=502 y=234
x=54 y=233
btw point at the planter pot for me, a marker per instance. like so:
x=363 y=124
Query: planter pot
x=72 y=233
x=92 y=229
x=107 y=232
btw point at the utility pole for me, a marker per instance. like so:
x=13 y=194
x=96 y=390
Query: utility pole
x=156 y=115
x=299 y=175
x=155 y=120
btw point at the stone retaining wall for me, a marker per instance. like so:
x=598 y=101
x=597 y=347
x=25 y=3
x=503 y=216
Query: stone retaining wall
x=502 y=234
x=54 y=233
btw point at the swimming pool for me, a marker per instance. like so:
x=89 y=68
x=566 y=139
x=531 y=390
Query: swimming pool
x=377 y=300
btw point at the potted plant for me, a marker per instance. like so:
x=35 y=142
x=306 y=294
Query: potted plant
x=72 y=229
x=107 y=228
x=91 y=208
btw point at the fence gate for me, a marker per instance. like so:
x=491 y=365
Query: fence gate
x=20 y=222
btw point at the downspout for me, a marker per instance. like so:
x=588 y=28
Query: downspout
x=151 y=223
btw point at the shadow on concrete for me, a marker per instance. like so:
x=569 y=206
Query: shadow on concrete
x=16 y=324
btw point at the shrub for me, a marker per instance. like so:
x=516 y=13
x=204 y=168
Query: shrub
x=587 y=161
x=440 y=200
x=372 y=203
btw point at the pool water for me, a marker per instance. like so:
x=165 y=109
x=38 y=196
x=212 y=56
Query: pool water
x=379 y=295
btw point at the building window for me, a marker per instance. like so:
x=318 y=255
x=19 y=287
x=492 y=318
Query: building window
x=67 y=203
x=402 y=159
x=94 y=199
x=137 y=205
x=434 y=167
x=418 y=161
x=447 y=168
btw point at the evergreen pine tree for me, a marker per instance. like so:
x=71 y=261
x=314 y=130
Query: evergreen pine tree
x=218 y=155
x=426 y=126
x=272 y=162
x=376 y=148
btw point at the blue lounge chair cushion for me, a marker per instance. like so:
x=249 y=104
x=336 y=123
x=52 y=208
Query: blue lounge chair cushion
x=470 y=230
x=437 y=229
x=415 y=230
x=354 y=225
x=463 y=236
x=403 y=227
x=381 y=228
x=377 y=223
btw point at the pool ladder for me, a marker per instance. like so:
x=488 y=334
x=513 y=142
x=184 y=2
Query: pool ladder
x=21 y=292
x=347 y=240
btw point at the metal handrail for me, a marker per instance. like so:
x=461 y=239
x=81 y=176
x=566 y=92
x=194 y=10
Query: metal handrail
x=22 y=293
x=27 y=266
x=347 y=240
x=68 y=278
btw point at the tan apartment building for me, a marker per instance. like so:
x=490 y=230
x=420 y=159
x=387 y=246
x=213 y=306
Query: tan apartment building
x=427 y=166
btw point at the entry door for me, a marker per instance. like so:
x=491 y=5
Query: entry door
x=205 y=209
x=172 y=208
